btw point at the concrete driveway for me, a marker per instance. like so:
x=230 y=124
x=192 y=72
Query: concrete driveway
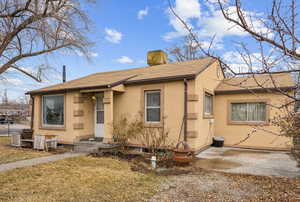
x=247 y=161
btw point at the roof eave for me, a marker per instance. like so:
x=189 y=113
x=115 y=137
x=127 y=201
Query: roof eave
x=64 y=90
x=254 y=90
x=160 y=79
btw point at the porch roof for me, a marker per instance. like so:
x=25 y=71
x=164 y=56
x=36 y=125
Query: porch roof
x=158 y=73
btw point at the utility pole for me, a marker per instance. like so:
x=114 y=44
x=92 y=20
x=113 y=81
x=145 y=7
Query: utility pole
x=5 y=98
x=64 y=74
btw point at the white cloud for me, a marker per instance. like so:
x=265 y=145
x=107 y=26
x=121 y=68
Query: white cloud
x=142 y=13
x=236 y=62
x=209 y=23
x=125 y=59
x=216 y=45
x=113 y=35
x=88 y=54
x=216 y=24
x=187 y=10
x=13 y=81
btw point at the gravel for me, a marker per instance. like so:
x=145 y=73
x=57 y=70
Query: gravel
x=217 y=186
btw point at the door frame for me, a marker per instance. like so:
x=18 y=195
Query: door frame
x=99 y=127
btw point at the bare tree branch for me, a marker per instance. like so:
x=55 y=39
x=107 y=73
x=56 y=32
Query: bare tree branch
x=32 y=28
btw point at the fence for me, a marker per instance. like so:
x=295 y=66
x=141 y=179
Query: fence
x=9 y=127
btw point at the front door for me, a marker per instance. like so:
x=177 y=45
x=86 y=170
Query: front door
x=99 y=116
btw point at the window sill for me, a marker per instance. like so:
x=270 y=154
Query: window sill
x=153 y=124
x=258 y=123
x=52 y=128
x=208 y=116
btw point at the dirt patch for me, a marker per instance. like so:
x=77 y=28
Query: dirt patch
x=167 y=167
x=216 y=163
x=234 y=152
x=218 y=186
x=141 y=163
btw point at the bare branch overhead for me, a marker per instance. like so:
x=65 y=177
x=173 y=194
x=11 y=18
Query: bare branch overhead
x=31 y=28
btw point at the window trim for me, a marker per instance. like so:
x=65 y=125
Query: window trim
x=47 y=126
x=151 y=107
x=153 y=87
x=205 y=115
x=230 y=122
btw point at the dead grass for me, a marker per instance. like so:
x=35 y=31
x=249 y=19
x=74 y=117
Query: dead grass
x=11 y=154
x=78 y=179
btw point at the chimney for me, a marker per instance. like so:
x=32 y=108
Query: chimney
x=157 y=57
x=64 y=74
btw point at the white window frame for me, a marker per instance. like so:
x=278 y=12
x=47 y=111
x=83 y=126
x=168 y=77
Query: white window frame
x=42 y=115
x=152 y=107
x=247 y=108
x=212 y=105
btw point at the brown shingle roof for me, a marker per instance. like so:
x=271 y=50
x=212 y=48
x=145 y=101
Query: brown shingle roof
x=256 y=82
x=176 y=70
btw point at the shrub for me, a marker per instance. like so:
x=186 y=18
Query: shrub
x=151 y=137
x=124 y=130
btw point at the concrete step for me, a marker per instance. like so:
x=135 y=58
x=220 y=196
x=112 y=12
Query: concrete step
x=90 y=146
x=85 y=147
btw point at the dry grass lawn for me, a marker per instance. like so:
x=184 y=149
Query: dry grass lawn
x=78 y=179
x=11 y=154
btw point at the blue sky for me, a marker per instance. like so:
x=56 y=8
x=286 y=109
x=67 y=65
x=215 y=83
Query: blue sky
x=124 y=30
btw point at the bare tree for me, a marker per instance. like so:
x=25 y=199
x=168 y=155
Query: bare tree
x=31 y=28
x=278 y=46
x=277 y=43
x=184 y=50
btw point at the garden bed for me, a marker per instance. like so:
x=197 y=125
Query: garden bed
x=140 y=162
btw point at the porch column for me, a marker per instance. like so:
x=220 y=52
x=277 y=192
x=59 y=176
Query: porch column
x=108 y=115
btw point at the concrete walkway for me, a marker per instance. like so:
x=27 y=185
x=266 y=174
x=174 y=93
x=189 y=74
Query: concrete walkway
x=247 y=161
x=36 y=161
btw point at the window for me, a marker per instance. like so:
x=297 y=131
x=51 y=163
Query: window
x=248 y=111
x=152 y=106
x=208 y=104
x=53 y=110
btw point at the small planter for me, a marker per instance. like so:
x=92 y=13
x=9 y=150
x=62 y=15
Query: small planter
x=183 y=155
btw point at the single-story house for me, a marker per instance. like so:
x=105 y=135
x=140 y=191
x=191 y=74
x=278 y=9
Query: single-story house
x=166 y=93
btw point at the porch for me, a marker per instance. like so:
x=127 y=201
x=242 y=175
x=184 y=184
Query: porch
x=93 y=114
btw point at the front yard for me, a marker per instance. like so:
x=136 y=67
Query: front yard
x=78 y=179
x=88 y=178
x=11 y=154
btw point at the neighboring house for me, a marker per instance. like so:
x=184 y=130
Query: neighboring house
x=15 y=111
x=214 y=106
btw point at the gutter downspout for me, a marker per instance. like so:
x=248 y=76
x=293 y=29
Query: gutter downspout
x=185 y=109
x=32 y=112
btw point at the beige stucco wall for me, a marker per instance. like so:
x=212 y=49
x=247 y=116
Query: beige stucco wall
x=76 y=126
x=233 y=134
x=206 y=81
x=130 y=104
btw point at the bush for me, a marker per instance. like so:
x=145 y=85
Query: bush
x=124 y=130
x=153 y=138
